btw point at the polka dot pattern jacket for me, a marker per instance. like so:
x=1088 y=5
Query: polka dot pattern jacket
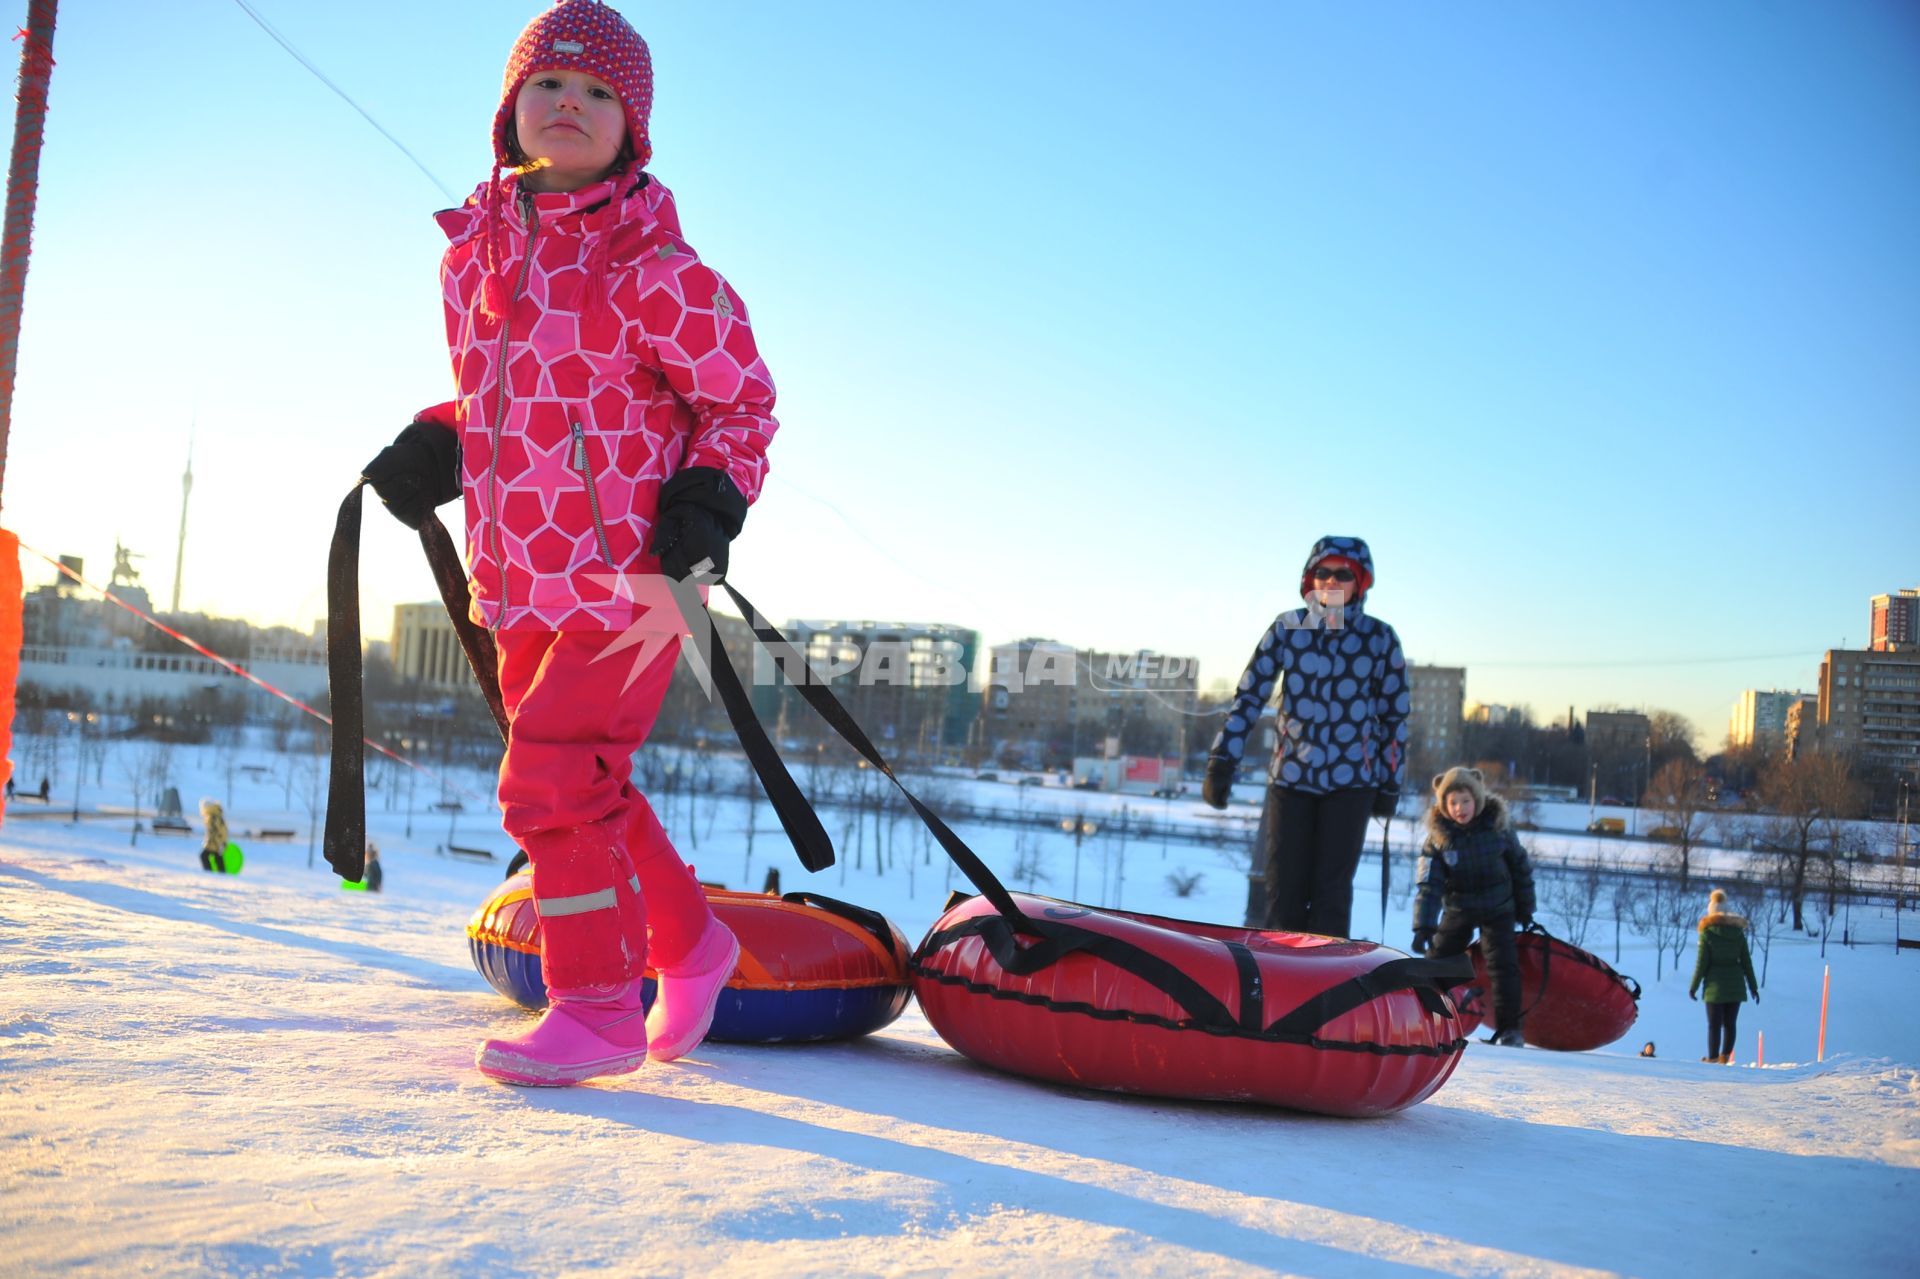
x=1342 y=682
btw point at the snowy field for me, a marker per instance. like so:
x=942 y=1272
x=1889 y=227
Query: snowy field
x=264 y=1075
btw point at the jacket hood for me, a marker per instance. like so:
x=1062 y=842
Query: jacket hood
x=1351 y=548
x=1493 y=815
x=1726 y=917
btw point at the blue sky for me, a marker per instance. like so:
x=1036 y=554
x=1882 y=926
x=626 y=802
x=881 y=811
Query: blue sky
x=1599 y=322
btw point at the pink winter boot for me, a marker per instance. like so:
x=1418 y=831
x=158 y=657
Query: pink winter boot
x=586 y=1032
x=686 y=992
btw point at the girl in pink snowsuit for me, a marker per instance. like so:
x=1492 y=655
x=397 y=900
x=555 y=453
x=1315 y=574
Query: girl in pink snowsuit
x=611 y=426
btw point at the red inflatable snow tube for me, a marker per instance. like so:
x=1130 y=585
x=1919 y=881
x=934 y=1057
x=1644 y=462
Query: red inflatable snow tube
x=1137 y=1003
x=1571 y=999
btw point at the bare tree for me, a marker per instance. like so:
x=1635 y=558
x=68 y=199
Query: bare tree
x=1763 y=920
x=1573 y=896
x=1662 y=911
x=1802 y=793
x=1679 y=795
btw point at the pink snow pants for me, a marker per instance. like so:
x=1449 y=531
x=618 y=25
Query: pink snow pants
x=603 y=867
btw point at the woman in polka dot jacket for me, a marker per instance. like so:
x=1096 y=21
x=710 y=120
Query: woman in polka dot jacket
x=1341 y=756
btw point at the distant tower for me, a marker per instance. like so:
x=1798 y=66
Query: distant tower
x=180 y=551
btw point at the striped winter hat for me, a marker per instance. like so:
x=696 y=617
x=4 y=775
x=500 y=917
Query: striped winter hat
x=581 y=35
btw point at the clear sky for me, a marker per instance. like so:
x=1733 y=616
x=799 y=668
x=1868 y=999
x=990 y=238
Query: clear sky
x=1601 y=323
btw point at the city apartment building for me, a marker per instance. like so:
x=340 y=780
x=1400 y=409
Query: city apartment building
x=905 y=682
x=1870 y=708
x=1049 y=703
x=1619 y=752
x=426 y=647
x=1896 y=622
x=1439 y=695
x=1760 y=717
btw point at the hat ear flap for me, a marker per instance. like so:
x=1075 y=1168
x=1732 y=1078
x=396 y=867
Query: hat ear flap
x=1437 y=779
x=1478 y=776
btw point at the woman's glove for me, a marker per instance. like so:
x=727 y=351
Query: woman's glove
x=1422 y=938
x=1218 y=783
x=1386 y=803
x=417 y=472
x=700 y=514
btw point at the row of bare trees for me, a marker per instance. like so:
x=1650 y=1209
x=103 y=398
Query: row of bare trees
x=1804 y=818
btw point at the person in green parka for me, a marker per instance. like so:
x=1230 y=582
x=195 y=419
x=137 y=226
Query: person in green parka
x=1724 y=965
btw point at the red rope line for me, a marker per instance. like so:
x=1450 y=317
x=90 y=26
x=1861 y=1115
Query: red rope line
x=242 y=672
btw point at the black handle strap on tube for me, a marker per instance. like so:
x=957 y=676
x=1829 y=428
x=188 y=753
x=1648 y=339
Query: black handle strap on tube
x=827 y=706
x=790 y=804
x=345 y=835
x=476 y=641
x=871 y=920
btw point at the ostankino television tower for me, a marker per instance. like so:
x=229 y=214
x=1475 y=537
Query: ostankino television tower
x=180 y=551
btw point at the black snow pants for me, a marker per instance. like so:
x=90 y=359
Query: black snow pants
x=213 y=859
x=1721 y=1019
x=1311 y=848
x=1503 y=958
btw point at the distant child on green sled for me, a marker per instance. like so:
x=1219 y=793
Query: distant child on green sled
x=1473 y=873
x=213 y=853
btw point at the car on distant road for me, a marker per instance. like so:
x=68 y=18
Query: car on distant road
x=1607 y=826
x=1664 y=832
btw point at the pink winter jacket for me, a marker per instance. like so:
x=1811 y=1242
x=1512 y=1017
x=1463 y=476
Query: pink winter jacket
x=603 y=399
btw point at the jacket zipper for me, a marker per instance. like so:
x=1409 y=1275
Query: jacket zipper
x=500 y=405
x=583 y=464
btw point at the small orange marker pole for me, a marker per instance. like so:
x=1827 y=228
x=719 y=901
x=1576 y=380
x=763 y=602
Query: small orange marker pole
x=1760 y=1051
x=1826 y=984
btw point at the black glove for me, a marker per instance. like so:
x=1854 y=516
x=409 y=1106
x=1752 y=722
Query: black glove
x=1524 y=922
x=1218 y=784
x=1422 y=938
x=700 y=514
x=1694 y=995
x=1386 y=803
x=417 y=472
x=1756 y=996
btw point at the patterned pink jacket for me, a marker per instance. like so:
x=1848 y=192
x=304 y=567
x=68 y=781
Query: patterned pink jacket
x=607 y=392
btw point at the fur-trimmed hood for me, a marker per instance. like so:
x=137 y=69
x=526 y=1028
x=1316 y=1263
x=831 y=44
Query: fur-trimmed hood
x=1722 y=917
x=1443 y=828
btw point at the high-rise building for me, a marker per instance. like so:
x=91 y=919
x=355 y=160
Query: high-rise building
x=1760 y=717
x=1896 y=622
x=1870 y=708
x=1439 y=695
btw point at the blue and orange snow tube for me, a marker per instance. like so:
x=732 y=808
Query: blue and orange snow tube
x=810 y=967
x=1571 y=1000
x=1137 y=1003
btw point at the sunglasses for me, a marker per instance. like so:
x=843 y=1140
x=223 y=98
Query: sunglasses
x=1333 y=575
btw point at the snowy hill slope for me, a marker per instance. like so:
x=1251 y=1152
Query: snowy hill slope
x=264 y=1075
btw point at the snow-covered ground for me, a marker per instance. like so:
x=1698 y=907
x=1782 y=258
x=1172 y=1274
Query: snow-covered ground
x=263 y=1075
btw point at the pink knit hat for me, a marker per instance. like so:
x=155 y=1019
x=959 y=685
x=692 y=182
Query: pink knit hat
x=574 y=35
x=581 y=35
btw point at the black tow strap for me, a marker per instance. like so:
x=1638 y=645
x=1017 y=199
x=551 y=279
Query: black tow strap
x=345 y=837
x=814 y=690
